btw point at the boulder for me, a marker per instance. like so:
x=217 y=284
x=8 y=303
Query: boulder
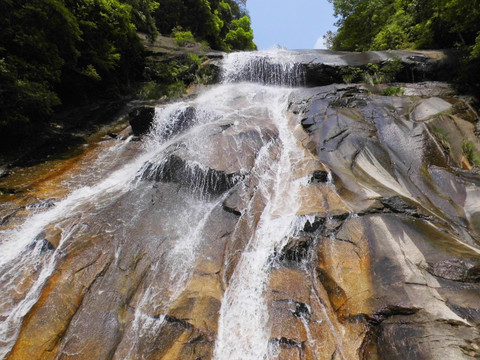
x=141 y=120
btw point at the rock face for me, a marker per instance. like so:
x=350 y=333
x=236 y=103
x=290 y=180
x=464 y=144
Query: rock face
x=255 y=222
x=324 y=67
x=141 y=120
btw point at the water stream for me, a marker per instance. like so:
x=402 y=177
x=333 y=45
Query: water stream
x=259 y=152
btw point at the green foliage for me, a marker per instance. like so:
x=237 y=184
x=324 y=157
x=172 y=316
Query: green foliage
x=152 y=90
x=476 y=48
x=149 y=91
x=413 y=24
x=359 y=22
x=142 y=16
x=55 y=51
x=471 y=153
x=214 y=21
x=407 y=24
x=170 y=78
x=32 y=57
x=66 y=52
x=389 y=70
x=240 y=37
x=442 y=136
x=351 y=74
x=107 y=30
x=206 y=75
x=176 y=89
x=182 y=38
x=392 y=91
x=373 y=73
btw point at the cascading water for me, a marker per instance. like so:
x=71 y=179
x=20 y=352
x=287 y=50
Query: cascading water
x=245 y=225
x=271 y=67
x=229 y=106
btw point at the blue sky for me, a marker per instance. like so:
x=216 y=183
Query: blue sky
x=298 y=24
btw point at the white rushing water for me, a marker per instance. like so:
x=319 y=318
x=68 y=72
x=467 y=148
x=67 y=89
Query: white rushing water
x=270 y=67
x=25 y=267
x=17 y=254
x=244 y=331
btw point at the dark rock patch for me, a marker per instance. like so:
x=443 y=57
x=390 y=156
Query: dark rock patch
x=225 y=127
x=467 y=313
x=462 y=270
x=173 y=320
x=307 y=123
x=141 y=120
x=400 y=341
x=348 y=102
x=311 y=227
x=336 y=294
x=399 y=206
x=319 y=176
x=197 y=178
x=53 y=146
x=296 y=250
x=9 y=191
x=42 y=241
x=180 y=121
x=232 y=204
x=302 y=310
x=231 y=210
x=393 y=310
x=321 y=74
x=41 y=204
x=287 y=343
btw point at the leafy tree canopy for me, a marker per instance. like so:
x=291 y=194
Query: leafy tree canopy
x=407 y=24
x=60 y=51
x=412 y=24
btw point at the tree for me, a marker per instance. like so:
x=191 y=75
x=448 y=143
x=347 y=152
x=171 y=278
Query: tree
x=109 y=49
x=142 y=16
x=240 y=37
x=407 y=24
x=37 y=39
x=206 y=20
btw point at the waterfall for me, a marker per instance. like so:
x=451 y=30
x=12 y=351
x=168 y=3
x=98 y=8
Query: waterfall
x=271 y=67
x=258 y=220
x=243 y=109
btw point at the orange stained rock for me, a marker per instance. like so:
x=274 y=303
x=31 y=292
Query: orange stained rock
x=200 y=303
x=344 y=262
x=465 y=164
x=322 y=200
x=49 y=318
x=320 y=333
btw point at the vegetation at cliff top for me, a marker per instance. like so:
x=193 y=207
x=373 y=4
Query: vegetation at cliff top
x=67 y=52
x=411 y=24
x=406 y=24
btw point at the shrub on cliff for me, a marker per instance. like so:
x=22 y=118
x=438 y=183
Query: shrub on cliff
x=240 y=37
x=410 y=24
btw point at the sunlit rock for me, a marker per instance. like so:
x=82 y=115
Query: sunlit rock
x=256 y=222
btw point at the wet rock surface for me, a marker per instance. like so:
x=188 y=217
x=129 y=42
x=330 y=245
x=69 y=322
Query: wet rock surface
x=378 y=248
x=324 y=67
x=382 y=159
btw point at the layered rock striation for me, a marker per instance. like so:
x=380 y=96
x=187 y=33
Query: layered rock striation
x=330 y=222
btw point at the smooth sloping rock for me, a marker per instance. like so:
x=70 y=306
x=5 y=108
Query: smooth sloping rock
x=428 y=108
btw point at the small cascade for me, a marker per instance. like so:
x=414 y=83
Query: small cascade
x=272 y=67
